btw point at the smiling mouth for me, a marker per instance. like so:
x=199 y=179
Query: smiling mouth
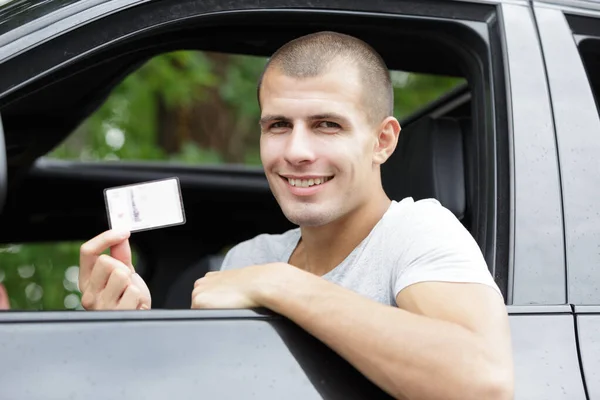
x=308 y=182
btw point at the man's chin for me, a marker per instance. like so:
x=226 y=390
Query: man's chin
x=307 y=216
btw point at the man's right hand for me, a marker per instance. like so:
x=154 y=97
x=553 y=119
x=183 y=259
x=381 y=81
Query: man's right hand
x=109 y=282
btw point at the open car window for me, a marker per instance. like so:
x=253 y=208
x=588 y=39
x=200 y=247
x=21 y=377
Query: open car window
x=188 y=107
x=138 y=103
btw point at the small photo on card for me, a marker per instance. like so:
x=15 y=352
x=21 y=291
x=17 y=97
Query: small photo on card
x=144 y=206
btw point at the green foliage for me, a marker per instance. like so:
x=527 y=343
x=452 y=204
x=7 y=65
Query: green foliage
x=417 y=90
x=177 y=79
x=154 y=105
x=239 y=89
x=193 y=154
x=41 y=276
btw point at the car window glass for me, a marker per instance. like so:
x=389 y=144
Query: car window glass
x=195 y=107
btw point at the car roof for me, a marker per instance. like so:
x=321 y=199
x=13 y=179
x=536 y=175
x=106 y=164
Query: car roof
x=19 y=13
x=14 y=13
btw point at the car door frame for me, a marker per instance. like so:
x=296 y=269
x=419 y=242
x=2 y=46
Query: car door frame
x=577 y=122
x=542 y=324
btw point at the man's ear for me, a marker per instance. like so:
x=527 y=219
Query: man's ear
x=4 y=303
x=387 y=139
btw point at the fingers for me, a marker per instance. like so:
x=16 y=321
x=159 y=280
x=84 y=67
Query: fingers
x=196 y=290
x=104 y=267
x=139 y=283
x=131 y=298
x=122 y=252
x=197 y=301
x=199 y=287
x=207 y=275
x=92 y=249
x=107 y=283
x=196 y=293
x=110 y=282
x=115 y=287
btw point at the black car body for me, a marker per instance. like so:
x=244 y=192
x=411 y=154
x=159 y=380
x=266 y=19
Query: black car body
x=521 y=170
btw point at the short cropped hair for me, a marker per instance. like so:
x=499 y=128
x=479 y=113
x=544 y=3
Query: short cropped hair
x=314 y=54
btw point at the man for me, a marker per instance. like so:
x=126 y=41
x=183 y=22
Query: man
x=399 y=289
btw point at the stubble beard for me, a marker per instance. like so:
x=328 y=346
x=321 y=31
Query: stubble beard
x=309 y=215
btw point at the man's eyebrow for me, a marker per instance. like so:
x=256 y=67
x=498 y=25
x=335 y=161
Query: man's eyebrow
x=338 y=117
x=271 y=118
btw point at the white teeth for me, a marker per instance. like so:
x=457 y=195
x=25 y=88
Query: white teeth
x=307 y=182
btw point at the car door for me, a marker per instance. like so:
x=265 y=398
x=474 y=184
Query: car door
x=519 y=220
x=571 y=43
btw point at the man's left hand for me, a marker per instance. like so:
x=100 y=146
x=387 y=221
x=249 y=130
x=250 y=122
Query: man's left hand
x=237 y=288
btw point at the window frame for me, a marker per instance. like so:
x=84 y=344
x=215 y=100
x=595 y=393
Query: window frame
x=577 y=120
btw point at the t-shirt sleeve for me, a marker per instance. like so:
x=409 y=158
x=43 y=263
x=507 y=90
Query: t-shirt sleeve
x=439 y=248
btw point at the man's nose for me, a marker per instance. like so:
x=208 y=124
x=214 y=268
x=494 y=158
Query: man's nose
x=300 y=146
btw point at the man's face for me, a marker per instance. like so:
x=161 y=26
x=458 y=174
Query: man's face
x=317 y=144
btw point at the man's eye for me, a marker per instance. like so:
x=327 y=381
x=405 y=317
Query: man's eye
x=278 y=125
x=329 y=125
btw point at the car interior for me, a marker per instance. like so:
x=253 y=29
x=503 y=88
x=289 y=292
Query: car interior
x=445 y=150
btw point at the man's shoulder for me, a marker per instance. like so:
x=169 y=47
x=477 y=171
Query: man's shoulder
x=261 y=249
x=419 y=225
x=406 y=212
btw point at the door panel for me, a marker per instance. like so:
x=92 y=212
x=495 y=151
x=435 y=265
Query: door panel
x=162 y=355
x=235 y=354
x=539 y=270
x=545 y=354
x=577 y=127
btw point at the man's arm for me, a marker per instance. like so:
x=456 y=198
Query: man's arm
x=447 y=341
x=451 y=341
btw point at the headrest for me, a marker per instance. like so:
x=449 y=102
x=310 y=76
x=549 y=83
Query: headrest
x=428 y=163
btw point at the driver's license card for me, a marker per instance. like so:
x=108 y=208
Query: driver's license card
x=146 y=205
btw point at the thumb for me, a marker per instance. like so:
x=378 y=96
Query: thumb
x=146 y=300
x=122 y=252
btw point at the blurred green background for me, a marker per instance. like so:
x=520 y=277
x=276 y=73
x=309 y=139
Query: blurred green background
x=187 y=107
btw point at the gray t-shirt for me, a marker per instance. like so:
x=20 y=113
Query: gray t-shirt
x=413 y=242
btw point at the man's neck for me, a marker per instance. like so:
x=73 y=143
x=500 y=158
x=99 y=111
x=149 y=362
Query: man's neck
x=322 y=248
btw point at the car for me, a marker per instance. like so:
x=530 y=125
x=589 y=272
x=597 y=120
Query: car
x=513 y=153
